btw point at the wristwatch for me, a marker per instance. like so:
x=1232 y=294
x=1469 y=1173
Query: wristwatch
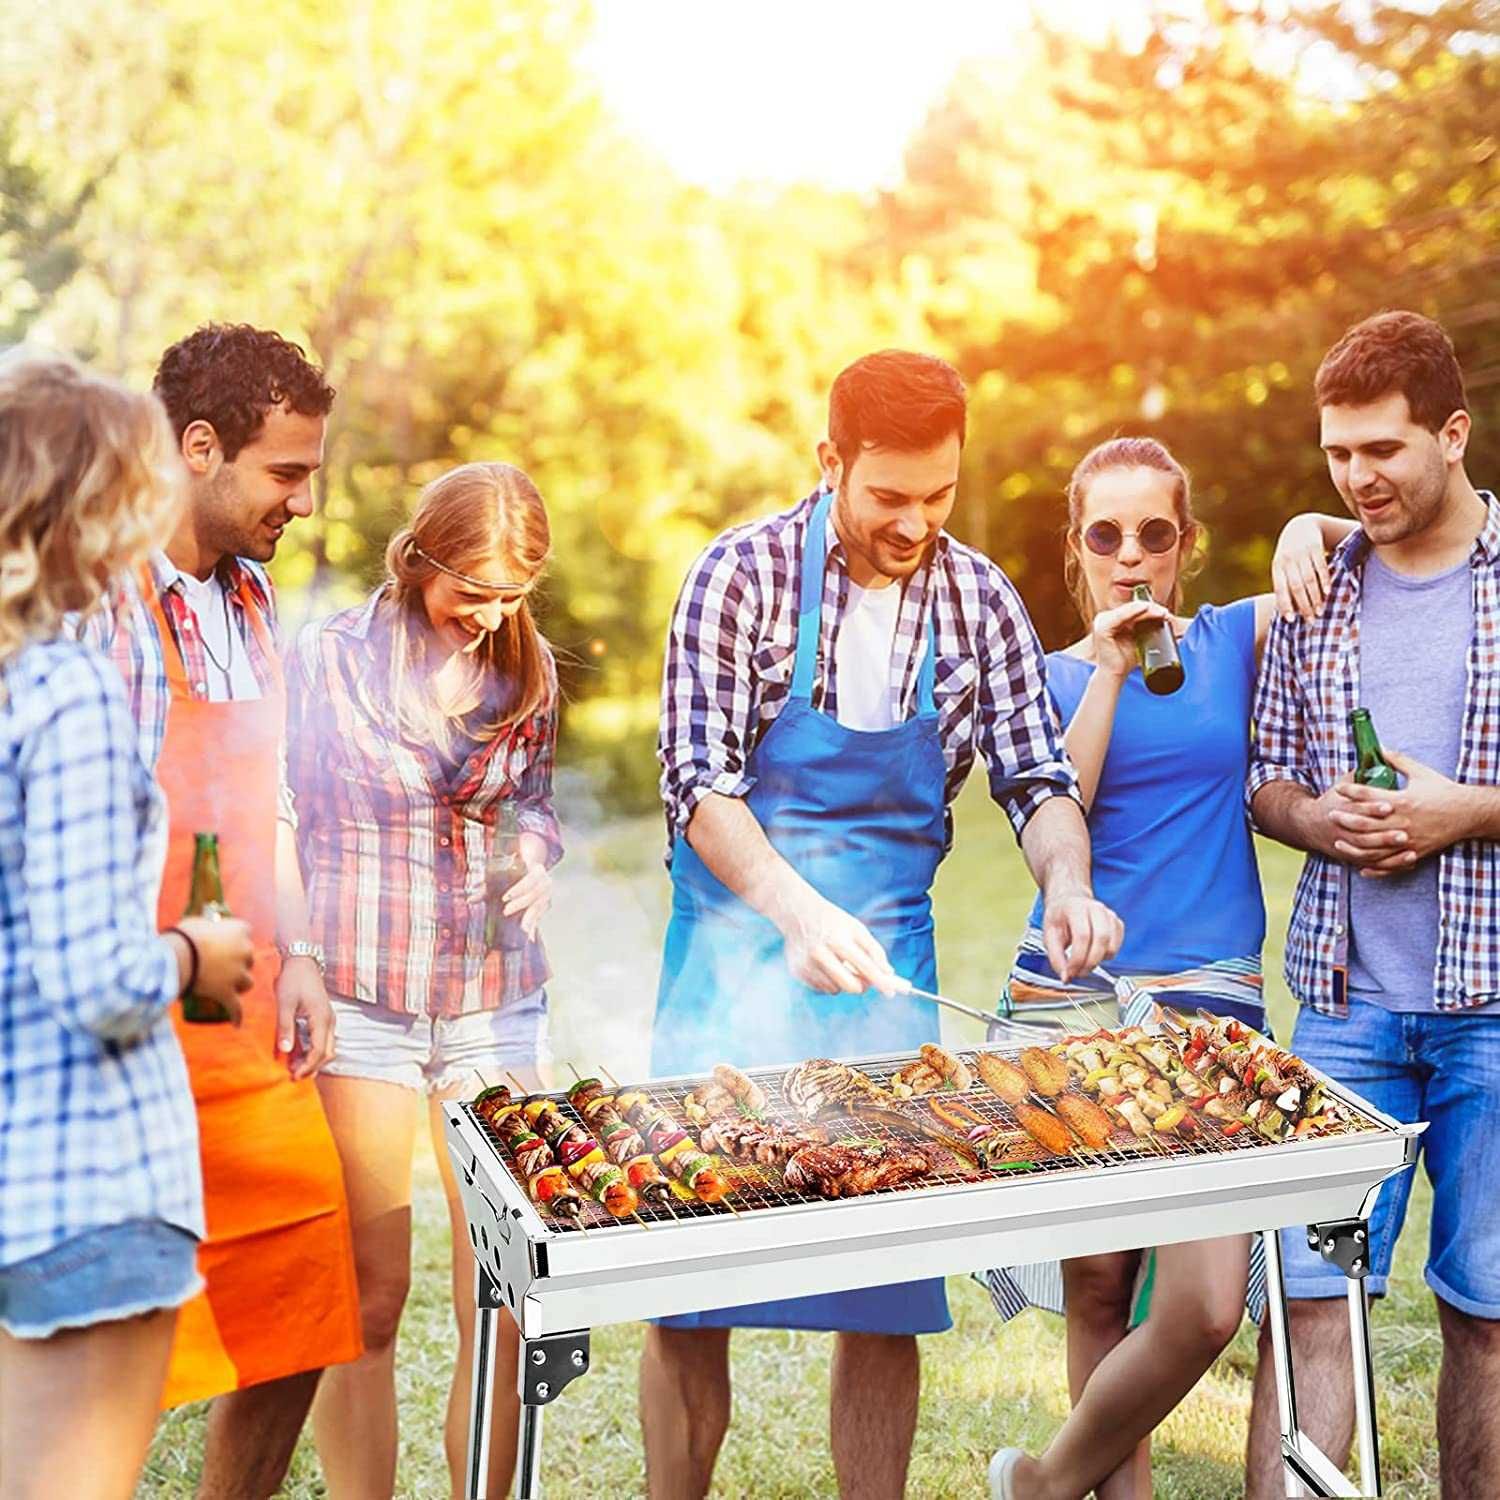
x=302 y=949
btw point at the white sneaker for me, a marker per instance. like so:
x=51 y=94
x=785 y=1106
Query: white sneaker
x=1002 y=1466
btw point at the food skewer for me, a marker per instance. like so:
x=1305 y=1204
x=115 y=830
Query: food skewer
x=582 y=1156
x=546 y=1182
x=620 y=1140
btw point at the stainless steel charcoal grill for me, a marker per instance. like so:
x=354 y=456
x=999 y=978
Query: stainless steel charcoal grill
x=558 y=1280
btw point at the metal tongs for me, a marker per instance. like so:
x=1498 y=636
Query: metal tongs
x=1003 y=1028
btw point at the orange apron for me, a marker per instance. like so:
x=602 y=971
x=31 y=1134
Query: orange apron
x=281 y=1295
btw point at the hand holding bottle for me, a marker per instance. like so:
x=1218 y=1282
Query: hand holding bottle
x=1114 y=634
x=225 y=957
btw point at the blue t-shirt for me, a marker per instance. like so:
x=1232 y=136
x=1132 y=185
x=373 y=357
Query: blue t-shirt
x=1173 y=855
x=1414 y=636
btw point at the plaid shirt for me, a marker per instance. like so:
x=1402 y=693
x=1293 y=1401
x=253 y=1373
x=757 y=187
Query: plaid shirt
x=393 y=848
x=1309 y=684
x=733 y=639
x=96 y=1118
x=124 y=628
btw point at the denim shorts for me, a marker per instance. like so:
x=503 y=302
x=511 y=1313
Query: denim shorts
x=99 y=1276
x=438 y=1054
x=1445 y=1069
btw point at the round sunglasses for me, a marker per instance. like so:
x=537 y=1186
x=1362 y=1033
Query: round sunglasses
x=1105 y=538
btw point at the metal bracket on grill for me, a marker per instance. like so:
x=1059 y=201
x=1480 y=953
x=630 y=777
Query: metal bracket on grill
x=549 y=1363
x=1345 y=1244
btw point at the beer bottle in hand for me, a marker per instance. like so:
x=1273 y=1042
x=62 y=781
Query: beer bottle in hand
x=1371 y=767
x=205 y=899
x=1156 y=646
x=502 y=870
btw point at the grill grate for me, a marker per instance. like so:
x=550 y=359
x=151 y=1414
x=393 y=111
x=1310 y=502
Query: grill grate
x=760 y=1187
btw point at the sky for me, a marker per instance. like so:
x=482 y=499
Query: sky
x=824 y=91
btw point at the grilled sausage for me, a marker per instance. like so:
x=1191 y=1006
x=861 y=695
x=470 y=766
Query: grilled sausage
x=1044 y=1127
x=1046 y=1073
x=1003 y=1078
x=1085 y=1119
x=744 y=1091
x=947 y=1067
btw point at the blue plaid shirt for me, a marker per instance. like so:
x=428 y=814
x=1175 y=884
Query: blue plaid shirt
x=96 y=1118
x=733 y=639
x=1309 y=685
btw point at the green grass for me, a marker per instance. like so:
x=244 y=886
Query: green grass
x=983 y=1384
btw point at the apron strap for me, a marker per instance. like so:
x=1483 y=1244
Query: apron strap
x=176 y=667
x=810 y=618
x=810 y=600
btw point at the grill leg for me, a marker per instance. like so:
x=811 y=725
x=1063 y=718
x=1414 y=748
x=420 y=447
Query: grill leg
x=482 y=1393
x=1366 y=1433
x=529 y=1456
x=1281 y=1350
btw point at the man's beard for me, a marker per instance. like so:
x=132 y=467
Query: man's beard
x=869 y=545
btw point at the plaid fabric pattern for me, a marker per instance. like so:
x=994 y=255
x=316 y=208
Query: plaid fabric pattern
x=733 y=639
x=96 y=1118
x=1309 y=684
x=124 y=629
x=393 y=850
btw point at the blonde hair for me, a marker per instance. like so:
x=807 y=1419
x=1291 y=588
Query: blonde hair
x=465 y=518
x=87 y=488
x=1130 y=453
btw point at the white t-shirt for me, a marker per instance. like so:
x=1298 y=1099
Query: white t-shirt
x=866 y=645
x=231 y=677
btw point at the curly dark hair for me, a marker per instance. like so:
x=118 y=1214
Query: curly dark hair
x=230 y=375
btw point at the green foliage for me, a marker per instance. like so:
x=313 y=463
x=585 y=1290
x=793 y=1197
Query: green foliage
x=1162 y=236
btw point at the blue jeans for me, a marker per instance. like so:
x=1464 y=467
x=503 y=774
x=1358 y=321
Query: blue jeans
x=1445 y=1069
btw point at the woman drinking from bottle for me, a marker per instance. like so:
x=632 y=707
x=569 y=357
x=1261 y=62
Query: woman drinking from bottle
x=421 y=733
x=101 y=1198
x=1162 y=774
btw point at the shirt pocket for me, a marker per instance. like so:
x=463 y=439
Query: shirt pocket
x=956 y=688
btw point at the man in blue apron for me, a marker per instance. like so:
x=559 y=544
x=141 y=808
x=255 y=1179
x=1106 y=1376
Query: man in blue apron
x=831 y=673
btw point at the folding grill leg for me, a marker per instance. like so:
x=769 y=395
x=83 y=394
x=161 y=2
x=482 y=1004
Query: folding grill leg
x=482 y=1392
x=1366 y=1432
x=529 y=1456
x=1309 y=1471
x=1279 y=1321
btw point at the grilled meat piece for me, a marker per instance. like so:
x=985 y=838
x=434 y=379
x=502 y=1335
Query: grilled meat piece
x=835 y=1171
x=1085 y=1119
x=1047 y=1074
x=744 y=1139
x=1003 y=1078
x=707 y=1102
x=942 y=1062
x=1044 y=1127
x=820 y=1084
x=745 y=1092
x=914 y=1122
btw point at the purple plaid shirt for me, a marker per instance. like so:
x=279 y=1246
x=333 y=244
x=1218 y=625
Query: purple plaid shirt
x=393 y=848
x=1309 y=684
x=733 y=638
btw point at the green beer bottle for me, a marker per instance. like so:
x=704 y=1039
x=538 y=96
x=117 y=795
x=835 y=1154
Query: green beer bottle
x=1371 y=768
x=501 y=871
x=205 y=899
x=1156 y=646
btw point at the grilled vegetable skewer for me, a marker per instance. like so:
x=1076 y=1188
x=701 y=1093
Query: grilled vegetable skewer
x=673 y=1147
x=620 y=1140
x=583 y=1157
x=546 y=1182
